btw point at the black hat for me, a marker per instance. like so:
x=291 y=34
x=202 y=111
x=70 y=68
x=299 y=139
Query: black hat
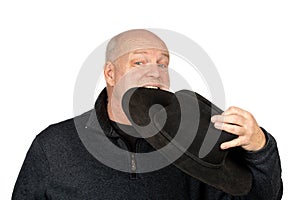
x=182 y=119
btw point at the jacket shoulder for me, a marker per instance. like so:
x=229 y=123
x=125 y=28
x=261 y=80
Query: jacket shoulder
x=64 y=130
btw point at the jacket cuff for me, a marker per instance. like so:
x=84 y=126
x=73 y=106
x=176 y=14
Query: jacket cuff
x=262 y=153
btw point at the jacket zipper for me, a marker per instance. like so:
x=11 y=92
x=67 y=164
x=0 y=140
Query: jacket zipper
x=133 y=166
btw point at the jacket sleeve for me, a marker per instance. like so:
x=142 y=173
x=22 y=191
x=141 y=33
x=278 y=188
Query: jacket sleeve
x=31 y=181
x=266 y=170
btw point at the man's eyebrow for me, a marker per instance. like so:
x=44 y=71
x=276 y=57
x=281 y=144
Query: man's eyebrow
x=166 y=54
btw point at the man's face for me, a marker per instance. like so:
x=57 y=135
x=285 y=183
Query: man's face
x=141 y=68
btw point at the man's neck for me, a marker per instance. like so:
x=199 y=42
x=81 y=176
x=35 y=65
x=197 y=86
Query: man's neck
x=116 y=113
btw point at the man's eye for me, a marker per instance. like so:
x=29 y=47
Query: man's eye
x=162 y=65
x=138 y=63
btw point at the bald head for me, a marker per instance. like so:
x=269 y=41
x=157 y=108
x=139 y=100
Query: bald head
x=133 y=40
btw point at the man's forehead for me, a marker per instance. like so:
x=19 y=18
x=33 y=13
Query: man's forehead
x=133 y=40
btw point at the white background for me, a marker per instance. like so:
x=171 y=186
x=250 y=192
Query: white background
x=254 y=44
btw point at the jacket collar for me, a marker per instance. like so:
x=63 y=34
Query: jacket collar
x=99 y=116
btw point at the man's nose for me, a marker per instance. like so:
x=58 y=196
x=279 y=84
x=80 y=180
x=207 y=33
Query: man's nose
x=154 y=71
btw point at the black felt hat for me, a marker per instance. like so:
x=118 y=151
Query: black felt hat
x=182 y=119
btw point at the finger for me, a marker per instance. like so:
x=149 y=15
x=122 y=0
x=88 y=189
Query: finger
x=229 y=119
x=235 y=110
x=232 y=143
x=217 y=118
x=230 y=128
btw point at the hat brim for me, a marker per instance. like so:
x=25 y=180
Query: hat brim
x=231 y=175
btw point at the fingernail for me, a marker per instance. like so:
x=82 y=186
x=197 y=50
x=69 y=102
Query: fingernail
x=213 y=119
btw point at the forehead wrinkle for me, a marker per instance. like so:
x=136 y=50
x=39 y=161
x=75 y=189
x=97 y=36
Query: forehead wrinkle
x=163 y=53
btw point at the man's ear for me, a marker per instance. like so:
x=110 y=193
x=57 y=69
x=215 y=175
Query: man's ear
x=109 y=73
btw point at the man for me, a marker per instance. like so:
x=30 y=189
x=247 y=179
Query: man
x=59 y=166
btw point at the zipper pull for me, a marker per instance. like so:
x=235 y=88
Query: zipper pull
x=133 y=163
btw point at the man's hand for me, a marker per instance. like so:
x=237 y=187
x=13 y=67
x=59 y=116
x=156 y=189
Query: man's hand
x=240 y=122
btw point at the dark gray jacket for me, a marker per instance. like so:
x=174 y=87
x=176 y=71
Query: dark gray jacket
x=59 y=166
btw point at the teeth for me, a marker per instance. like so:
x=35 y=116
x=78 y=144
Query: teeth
x=152 y=87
